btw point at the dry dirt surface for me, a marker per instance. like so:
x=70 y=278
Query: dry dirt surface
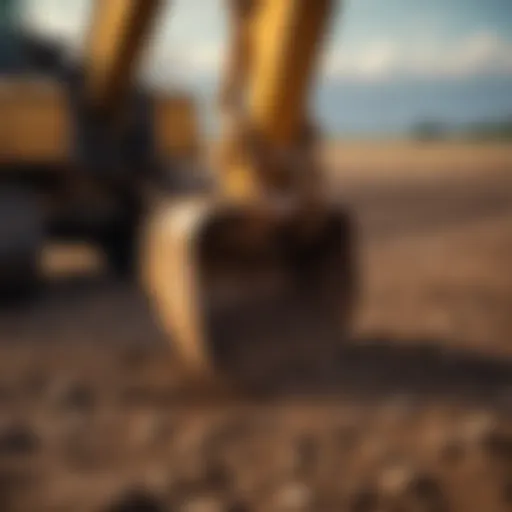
x=414 y=413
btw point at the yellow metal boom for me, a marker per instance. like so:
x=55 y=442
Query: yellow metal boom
x=276 y=46
x=268 y=260
x=288 y=35
x=118 y=31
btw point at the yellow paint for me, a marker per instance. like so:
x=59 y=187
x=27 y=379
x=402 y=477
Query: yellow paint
x=118 y=30
x=285 y=42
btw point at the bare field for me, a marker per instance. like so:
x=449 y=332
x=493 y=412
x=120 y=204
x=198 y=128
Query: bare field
x=390 y=160
x=413 y=414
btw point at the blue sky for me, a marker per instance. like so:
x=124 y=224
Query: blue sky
x=388 y=63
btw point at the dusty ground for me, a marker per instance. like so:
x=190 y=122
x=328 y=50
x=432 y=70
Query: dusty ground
x=414 y=414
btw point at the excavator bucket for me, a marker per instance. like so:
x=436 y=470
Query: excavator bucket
x=260 y=281
x=245 y=292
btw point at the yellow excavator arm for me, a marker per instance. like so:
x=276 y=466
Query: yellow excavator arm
x=288 y=36
x=114 y=47
x=264 y=258
x=36 y=118
x=260 y=263
x=273 y=58
x=116 y=42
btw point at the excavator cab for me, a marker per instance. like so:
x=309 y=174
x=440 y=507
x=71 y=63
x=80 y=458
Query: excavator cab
x=263 y=269
x=84 y=146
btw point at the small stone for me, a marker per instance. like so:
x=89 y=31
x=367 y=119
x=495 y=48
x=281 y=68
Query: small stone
x=36 y=384
x=7 y=395
x=202 y=504
x=18 y=439
x=134 y=395
x=375 y=449
x=217 y=476
x=402 y=479
x=428 y=489
x=346 y=437
x=396 y=480
x=417 y=488
x=233 y=430
x=400 y=409
x=72 y=397
x=14 y=484
x=499 y=445
x=304 y=457
x=137 y=501
x=477 y=429
x=487 y=434
x=364 y=500
x=148 y=429
x=451 y=451
x=237 y=506
x=506 y=399
x=294 y=497
x=507 y=492
x=448 y=448
x=209 y=475
x=188 y=477
x=134 y=358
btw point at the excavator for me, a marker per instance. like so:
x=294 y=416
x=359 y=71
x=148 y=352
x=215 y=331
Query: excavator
x=261 y=257
x=83 y=144
x=267 y=257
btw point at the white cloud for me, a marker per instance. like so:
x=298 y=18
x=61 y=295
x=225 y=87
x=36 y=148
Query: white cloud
x=192 y=52
x=483 y=53
x=376 y=60
x=67 y=19
x=204 y=59
x=196 y=64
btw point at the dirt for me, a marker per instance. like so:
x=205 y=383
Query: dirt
x=413 y=413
